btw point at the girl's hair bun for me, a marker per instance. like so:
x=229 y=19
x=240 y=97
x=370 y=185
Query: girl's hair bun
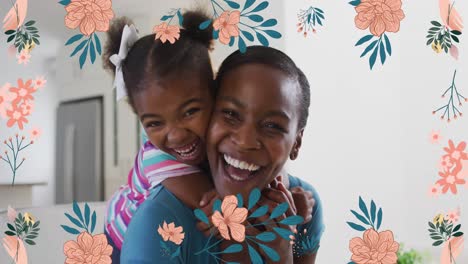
x=191 y=23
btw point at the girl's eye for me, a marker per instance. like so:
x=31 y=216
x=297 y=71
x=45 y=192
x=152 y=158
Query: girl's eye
x=153 y=124
x=191 y=111
x=229 y=113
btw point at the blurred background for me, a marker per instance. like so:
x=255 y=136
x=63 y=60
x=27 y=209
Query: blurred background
x=368 y=132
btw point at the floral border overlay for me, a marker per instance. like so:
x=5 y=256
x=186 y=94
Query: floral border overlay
x=373 y=240
x=88 y=23
x=86 y=245
x=16 y=106
x=243 y=24
x=442 y=36
x=455 y=99
x=309 y=20
x=229 y=218
x=446 y=232
x=23 y=34
x=379 y=24
x=21 y=229
x=453 y=169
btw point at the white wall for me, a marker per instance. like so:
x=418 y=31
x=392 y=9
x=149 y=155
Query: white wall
x=368 y=131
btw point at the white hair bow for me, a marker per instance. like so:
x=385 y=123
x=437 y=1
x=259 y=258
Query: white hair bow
x=129 y=37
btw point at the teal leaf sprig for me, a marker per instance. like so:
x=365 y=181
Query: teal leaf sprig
x=25 y=37
x=173 y=13
x=380 y=47
x=25 y=228
x=369 y=216
x=15 y=147
x=91 y=44
x=310 y=19
x=248 y=21
x=455 y=97
x=441 y=38
x=81 y=220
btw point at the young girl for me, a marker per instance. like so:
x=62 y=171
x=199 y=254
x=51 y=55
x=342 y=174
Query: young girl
x=170 y=88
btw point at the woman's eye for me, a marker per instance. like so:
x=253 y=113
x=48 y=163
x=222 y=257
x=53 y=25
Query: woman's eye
x=191 y=111
x=274 y=126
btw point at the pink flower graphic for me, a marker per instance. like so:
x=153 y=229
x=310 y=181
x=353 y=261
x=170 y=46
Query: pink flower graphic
x=39 y=82
x=456 y=248
x=15 y=248
x=27 y=107
x=23 y=57
x=35 y=133
x=6 y=97
x=231 y=220
x=23 y=92
x=227 y=24
x=435 y=137
x=434 y=190
x=88 y=249
x=379 y=16
x=172 y=233
x=16 y=116
x=449 y=181
x=165 y=32
x=16 y=15
x=89 y=15
x=374 y=247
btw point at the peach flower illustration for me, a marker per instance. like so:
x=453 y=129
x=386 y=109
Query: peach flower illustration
x=27 y=107
x=23 y=57
x=39 y=82
x=376 y=248
x=15 y=248
x=166 y=32
x=458 y=151
x=172 y=233
x=5 y=98
x=453 y=216
x=227 y=26
x=16 y=116
x=89 y=15
x=231 y=219
x=449 y=181
x=379 y=16
x=35 y=133
x=23 y=92
x=435 y=137
x=88 y=249
x=434 y=190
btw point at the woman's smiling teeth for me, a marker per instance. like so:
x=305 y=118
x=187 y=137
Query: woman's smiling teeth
x=238 y=170
x=240 y=164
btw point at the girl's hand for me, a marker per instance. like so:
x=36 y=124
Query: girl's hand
x=206 y=205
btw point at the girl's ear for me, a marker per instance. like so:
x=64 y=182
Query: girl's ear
x=297 y=145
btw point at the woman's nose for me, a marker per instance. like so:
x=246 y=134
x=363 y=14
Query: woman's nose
x=245 y=138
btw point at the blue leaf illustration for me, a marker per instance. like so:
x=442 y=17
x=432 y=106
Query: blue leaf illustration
x=93 y=221
x=248 y=4
x=70 y=230
x=266 y=236
x=78 y=48
x=319 y=21
x=65 y=2
x=181 y=22
x=247 y=35
x=372 y=60
x=261 y=211
x=76 y=208
x=372 y=207
x=201 y=216
x=364 y=40
x=217 y=205
x=164 y=18
x=205 y=24
x=176 y=253
x=240 y=200
x=83 y=57
x=272 y=254
x=273 y=34
x=215 y=34
x=356 y=226
x=282 y=232
x=254 y=197
x=74 y=220
x=355 y=2
x=232 y=41
x=260 y=7
x=269 y=23
x=256 y=18
x=74 y=39
x=369 y=48
x=163 y=245
x=320 y=15
x=262 y=40
x=292 y=220
x=318 y=10
x=279 y=210
x=98 y=44
x=360 y=217
x=232 y=4
x=379 y=218
x=87 y=211
x=242 y=46
x=387 y=43
x=233 y=249
x=254 y=256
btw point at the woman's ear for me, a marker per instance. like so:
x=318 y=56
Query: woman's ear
x=297 y=145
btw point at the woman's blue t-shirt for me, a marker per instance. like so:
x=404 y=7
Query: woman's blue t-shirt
x=144 y=244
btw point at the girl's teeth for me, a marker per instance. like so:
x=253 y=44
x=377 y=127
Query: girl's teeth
x=240 y=164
